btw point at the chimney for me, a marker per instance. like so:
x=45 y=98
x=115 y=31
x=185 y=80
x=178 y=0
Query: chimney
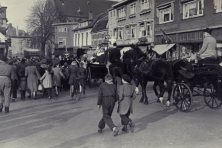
x=90 y=15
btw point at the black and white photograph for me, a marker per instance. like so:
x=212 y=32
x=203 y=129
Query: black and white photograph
x=110 y=73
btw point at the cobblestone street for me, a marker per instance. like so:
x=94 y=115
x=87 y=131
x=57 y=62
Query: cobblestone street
x=64 y=124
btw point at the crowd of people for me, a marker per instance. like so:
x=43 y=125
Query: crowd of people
x=25 y=78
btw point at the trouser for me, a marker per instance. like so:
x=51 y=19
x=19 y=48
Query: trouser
x=49 y=92
x=125 y=118
x=14 y=88
x=5 y=91
x=106 y=119
x=22 y=94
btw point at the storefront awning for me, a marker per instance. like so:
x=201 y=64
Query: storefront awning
x=2 y=38
x=161 y=49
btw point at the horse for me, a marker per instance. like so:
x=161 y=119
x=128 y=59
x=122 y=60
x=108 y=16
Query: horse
x=142 y=69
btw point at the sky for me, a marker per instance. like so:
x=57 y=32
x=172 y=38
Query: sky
x=18 y=11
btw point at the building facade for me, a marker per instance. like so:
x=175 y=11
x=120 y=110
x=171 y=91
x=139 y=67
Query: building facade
x=3 y=26
x=182 y=22
x=82 y=34
x=132 y=22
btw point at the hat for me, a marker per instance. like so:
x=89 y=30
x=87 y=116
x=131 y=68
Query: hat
x=108 y=77
x=208 y=30
x=126 y=78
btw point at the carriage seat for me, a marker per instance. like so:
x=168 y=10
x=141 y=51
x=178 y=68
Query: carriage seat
x=186 y=74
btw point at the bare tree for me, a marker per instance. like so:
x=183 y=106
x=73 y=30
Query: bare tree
x=43 y=15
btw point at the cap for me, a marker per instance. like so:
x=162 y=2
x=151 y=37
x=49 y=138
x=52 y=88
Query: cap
x=208 y=30
x=126 y=78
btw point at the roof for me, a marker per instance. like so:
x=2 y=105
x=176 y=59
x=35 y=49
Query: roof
x=81 y=8
x=100 y=24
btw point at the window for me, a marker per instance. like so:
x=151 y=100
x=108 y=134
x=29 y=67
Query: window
x=133 y=8
x=166 y=14
x=120 y=34
x=62 y=29
x=145 y=4
x=87 y=38
x=121 y=12
x=133 y=31
x=193 y=9
x=62 y=41
x=82 y=38
x=218 y=5
x=145 y=29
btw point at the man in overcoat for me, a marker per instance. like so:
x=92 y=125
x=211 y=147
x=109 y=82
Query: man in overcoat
x=107 y=97
x=6 y=74
x=208 y=53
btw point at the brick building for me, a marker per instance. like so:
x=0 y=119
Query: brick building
x=131 y=22
x=182 y=21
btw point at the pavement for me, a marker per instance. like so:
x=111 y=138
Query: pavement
x=64 y=124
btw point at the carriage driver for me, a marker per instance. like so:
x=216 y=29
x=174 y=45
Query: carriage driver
x=207 y=53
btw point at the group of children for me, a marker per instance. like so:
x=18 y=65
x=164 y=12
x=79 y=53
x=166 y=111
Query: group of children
x=109 y=93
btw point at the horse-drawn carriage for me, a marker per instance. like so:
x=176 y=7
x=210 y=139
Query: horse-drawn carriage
x=193 y=79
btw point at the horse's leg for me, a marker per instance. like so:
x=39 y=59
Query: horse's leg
x=162 y=90
x=155 y=90
x=169 y=89
x=144 y=93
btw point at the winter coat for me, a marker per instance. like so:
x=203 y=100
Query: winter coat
x=126 y=93
x=47 y=80
x=32 y=75
x=107 y=95
x=57 y=76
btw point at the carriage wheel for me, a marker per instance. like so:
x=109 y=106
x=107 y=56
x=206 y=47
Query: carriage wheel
x=182 y=96
x=210 y=96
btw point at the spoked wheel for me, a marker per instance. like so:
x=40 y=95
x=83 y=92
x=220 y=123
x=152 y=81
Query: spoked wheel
x=182 y=96
x=211 y=98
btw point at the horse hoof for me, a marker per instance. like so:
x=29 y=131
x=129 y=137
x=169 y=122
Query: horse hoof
x=146 y=103
x=158 y=100
x=141 y=101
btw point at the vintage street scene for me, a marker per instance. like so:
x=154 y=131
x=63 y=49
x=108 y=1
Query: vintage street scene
x=110 y=73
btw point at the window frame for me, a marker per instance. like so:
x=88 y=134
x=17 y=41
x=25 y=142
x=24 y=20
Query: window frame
x=188 y=10
x=162 y=13
x=132 y=7
x=145 y=4
x=216 y=4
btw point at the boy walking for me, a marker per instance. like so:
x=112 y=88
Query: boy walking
x=107 y=98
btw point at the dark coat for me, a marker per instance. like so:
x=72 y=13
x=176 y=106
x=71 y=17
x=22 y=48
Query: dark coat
x=73 y=75
x=107 y=94
x=126 y=94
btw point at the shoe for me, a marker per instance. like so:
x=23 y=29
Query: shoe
x=100 y=131
x=6 y=109
x=131 y=125
x=1 y=109
x=115 y=131
x=161 y=99
x=168 y=103
x=124 y=129
x=13 y=99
